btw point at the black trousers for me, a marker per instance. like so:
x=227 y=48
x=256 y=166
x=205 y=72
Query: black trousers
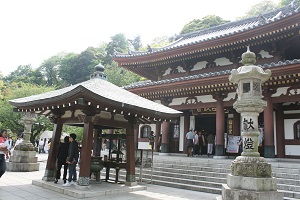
x=2 y=164
x=58 y=168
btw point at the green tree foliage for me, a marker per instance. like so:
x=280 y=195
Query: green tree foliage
x=199 y=24
x=120 y=76
x=12 y=120
x=118 y=43
x=283 y=3
x=25 y=74
x=262 y=7
x=50 y=68
x=136 y=42
x=76 y=68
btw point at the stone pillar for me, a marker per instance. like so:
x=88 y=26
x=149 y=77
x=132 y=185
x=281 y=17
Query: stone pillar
x=165 y=137
x=24 y=156
x=280 y=139
x=269 y=147
x=51 y=162
x=86 y=151
x=157 y=134
x=130 y=155
x=220 y=124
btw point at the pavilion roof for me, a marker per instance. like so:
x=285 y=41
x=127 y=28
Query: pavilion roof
x=98 y=93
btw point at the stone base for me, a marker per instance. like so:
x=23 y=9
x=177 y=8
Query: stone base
x=251 y=183
x=131 y=183
x=23 y=161
x=22 y=167
x=237 y=194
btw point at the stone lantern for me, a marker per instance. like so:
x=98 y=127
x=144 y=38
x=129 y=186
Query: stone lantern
x=251 y=175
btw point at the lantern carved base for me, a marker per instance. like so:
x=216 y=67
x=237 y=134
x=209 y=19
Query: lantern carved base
x=251 y=167
x=250 y=178
x=23 y=161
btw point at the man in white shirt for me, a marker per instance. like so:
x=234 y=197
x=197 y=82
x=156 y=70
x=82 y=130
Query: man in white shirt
x=41 y=145
x=3 y=151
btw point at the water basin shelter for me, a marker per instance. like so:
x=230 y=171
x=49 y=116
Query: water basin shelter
x=95 y=104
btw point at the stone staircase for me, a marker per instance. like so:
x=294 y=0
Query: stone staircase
x=208 y=175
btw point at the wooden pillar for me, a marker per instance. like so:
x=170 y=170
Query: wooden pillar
x=236 y=124
x=157 y=134
x=86 y=151
x=136 y=136
x=220 y=125
x=280 y=139
x=186 y=127
x=51 y=162
x=269 y=147
x=130 y=155
x=165 y=143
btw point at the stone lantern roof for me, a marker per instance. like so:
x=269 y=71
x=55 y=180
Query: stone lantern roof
x=249 y=69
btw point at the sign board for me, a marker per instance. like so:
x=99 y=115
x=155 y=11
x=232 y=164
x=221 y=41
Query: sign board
x=233 y=144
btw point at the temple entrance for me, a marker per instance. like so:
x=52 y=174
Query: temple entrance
x=174 y=138
x=206 y=123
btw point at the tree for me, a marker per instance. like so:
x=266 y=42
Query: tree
x=12 y=120
x=118 y=43
x=262 y=7
x=25 y=74
x=283 y=3
x=76 y=68
x=136 y=42
x=120 y=76
x=50 y=67
x=199 y=24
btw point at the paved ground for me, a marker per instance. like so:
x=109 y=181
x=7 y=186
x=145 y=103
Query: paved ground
x=18 y=186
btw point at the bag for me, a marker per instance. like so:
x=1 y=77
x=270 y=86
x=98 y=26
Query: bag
x=74 y=160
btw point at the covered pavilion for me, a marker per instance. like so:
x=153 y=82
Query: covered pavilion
x=95 y=104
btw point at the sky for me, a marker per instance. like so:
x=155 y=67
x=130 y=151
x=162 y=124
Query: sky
x=34 y=30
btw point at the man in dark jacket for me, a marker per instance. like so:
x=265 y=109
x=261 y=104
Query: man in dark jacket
x=73 y=155
x=62 y=155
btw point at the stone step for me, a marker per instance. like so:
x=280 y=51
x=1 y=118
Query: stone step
x=194 y=184
x=295 y=169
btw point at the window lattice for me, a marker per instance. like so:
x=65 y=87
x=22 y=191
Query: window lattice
x=256 y=87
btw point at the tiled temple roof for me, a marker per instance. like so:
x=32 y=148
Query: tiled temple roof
x=206 y=75
x=103 y=91
x=220 y=31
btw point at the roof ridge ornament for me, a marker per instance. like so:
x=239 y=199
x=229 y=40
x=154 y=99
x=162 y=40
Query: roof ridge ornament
x=99 y=72
x=248 y=58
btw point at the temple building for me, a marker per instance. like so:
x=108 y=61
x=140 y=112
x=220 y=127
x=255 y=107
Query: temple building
x=192 y=75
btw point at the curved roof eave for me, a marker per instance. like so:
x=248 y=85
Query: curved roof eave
x=104 y=93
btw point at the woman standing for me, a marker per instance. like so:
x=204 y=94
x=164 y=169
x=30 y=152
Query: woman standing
x=62 y=155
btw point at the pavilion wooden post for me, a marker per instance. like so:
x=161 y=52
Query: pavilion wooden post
x=130 y=156
x=157 y=135
x=51 y=162
x=86 y=151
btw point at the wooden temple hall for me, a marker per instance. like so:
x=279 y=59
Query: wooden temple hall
x=191 y=75
x=95 y=105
